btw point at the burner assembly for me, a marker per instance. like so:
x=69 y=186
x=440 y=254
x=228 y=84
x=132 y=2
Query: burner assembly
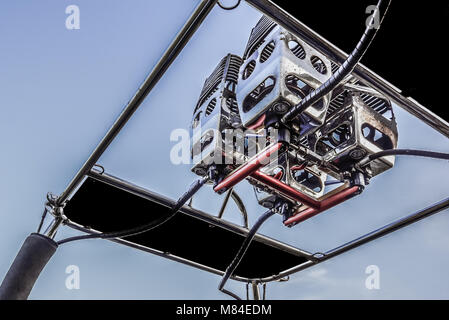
x=279 y=70
x=363 y=125
x=215 y=112
x=305 y=124
x=299 y=161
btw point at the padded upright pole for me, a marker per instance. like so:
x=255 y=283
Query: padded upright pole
x=36 y=251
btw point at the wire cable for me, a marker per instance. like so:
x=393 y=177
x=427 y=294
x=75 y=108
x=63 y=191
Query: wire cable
x=239 y=202
x=41 y=223
x=346 y=68
x=225 y=203
x=149 y=226
x=239 y=256
x=405 y=152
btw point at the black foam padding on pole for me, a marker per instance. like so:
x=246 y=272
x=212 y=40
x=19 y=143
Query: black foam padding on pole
x=36 y=251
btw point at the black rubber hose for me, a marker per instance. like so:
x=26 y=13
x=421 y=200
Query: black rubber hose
x=238 y=201
x=234 y=264
x=34 y=254
x=346 y=68
x=407 y=152
x=149 y=226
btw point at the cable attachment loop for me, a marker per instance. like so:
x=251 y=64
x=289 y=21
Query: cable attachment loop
x=230 y=7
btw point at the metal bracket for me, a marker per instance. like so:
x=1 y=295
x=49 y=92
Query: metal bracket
x=57 y=212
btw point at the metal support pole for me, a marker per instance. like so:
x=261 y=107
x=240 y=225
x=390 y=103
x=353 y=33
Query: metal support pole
x=169 y=56
x=389 y=228
x=54 y=227
x=371 y=236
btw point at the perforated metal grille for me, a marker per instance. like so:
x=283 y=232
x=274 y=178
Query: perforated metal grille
x=228 y=70
x=211 y=106
x=249 y=69
x=297 y=49
x=263 y=28
x=377 y=104
x=318 y=64
x=336 y=104
x=267 y=51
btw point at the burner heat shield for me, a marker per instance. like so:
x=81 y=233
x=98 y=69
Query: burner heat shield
x=215 y=112
x=363 y=124
x=280 y=69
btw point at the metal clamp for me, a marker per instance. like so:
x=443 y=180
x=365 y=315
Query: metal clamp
x=57 y=211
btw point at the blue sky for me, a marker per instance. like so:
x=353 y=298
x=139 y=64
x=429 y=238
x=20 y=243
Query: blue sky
x=60 y=90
